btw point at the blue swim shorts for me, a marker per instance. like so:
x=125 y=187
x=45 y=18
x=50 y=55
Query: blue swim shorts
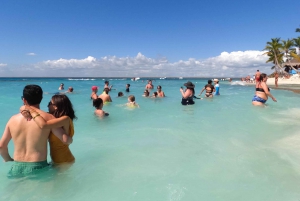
x=258 y=99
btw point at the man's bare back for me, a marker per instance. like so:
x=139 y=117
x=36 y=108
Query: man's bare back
x=29 y=140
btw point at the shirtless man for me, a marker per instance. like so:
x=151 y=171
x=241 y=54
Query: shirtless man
x=106 y=85
x=30 y=141
x=160 y=93
x=149 y=85
x=257 y=76
x=105 y=96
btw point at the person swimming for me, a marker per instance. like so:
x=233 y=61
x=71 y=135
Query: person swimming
x=131 y=101
x=98 y=104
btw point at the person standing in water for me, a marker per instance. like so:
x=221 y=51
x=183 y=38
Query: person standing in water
x=30 y=141
x=217 y=87
x=127 y=87
x=160 y=93
x=61 y=108
x=188 y=94
x=94 y=92
x=149 y=85
x=262 y=91
x=98 y=104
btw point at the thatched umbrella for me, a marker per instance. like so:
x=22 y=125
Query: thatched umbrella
x=293 y=62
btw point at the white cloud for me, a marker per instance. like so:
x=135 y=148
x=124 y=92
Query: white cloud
x=31 y=54
x=2 y=65
x=227 y=64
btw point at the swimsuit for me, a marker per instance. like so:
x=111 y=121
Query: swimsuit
x=60 y=152
x=209 y=93
x=127 y=90
x=261 y=89
x=187 y=101
x=21 y=169
x=258 y=99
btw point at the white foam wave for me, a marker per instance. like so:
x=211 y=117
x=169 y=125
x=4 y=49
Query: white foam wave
x=238 y=83
x=83 y=79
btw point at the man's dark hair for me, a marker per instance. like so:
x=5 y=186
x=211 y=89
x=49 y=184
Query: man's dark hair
x=33 y=94
x=97 y=102
x=209 y=81
x=106 y=82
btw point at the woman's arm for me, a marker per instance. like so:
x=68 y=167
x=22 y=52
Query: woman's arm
x=202 y=91
x=53 y=123
x=185 y=94
x=265 y=88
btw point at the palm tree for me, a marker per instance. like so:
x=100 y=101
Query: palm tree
x=286 y=49
x=297 y=42
x=298 y=30
x=274 y=53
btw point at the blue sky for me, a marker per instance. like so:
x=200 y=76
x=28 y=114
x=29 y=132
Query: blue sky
x=141 y=38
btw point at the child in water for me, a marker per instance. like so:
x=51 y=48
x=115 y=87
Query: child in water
x=98 y=104
x=131 y=102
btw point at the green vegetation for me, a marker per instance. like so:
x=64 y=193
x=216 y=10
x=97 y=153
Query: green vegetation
x=278 y=50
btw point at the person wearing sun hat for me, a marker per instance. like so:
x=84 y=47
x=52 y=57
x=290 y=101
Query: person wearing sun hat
x=217 y=87
x=188 y=94
x=94 y=92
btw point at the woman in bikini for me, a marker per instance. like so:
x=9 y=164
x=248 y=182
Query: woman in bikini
x=60 y=107
x=262 y=91
x=209 y=88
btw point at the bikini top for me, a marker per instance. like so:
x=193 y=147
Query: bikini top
x=261 y=89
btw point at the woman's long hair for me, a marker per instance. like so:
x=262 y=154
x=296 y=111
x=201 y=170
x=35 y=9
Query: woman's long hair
x=64 y=106
x=262 y=76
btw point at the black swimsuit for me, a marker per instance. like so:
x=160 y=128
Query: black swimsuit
x=187 y=101
x=261 y=89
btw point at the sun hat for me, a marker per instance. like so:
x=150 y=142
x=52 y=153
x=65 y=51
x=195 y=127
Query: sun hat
x=216 y=80
x=94 y=88
x=189 y=84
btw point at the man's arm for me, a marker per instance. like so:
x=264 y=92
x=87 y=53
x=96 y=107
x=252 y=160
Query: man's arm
x=6 y=137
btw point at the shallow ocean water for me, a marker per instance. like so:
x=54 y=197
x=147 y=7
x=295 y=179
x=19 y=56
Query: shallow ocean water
x=218 y=149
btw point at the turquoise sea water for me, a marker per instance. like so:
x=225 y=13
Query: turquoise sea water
x=218 y=149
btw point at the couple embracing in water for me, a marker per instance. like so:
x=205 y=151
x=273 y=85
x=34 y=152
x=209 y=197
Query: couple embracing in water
x=32 y=128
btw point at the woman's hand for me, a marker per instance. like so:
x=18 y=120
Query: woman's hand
x=24 y=110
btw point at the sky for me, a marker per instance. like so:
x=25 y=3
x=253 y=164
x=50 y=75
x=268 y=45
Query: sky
x=117 y=38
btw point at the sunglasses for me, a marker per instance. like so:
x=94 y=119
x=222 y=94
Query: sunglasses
x=50 y=103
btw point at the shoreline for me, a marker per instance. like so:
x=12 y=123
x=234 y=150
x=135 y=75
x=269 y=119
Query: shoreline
x=292 y=84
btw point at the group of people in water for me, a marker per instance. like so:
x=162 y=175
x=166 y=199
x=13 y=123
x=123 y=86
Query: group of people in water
x=36 y=127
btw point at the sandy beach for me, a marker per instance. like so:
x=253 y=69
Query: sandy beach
x=291 y=84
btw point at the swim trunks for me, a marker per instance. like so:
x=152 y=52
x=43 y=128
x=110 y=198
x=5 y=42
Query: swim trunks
x=258 y=99
x=187 y=101
x=21 y=169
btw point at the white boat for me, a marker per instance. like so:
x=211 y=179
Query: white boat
x=162 y=78
x=180 y=78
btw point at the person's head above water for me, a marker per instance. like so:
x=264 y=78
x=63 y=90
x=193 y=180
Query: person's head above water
x=131 y=98
x=98 y=103
x=120 y=94
x=94 y=88
x=189 y=85
x=60 y=105
x=33 y=94
x=209 y=81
